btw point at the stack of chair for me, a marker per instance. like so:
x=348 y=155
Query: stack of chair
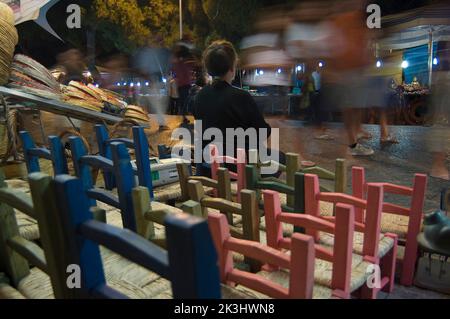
x=70 y=244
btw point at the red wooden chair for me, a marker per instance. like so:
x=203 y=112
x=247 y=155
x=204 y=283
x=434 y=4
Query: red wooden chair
x=240 y=161
x=375 y=247
x=333 y=266
x=300 y=263
x=404 y=222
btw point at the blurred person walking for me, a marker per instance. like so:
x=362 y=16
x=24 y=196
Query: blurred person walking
x=183 y=64
x=439 y=134
x=152 y=62
x=347 y=69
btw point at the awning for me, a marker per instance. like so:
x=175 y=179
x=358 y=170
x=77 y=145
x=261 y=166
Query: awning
x=412 y=28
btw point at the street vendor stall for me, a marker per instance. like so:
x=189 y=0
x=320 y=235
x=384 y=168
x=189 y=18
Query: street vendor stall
x=415 y=34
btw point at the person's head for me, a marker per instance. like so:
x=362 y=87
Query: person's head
x=220 y=60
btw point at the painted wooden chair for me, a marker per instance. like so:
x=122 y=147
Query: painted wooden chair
x=445 y=200
x=121 y=170
x=240 y=161
x=55 y=154
x=28 y=227
x=246 y=210
x=406 y=222
x=370 y=243
x=295 y=268
x=336 y=266
x=120 y=167
x=138 y=145
x=47 y=279
x=293 y=166
x=190 y=249
x=210 y=185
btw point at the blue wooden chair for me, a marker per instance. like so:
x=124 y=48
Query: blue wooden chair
x=190 y=263
x=55 y=154
x=119 y=167
x=140 y=146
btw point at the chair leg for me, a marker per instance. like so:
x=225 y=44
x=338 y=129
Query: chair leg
x=388 y=264
x=409 y=265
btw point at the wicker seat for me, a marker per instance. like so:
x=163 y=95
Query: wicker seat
x=323 y=272
x=282 y=278
x=8 y=292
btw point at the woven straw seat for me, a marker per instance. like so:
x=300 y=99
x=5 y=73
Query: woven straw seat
x=395 y=224
x=167 y=193
x=282 y=278
x=8 y=292
x=384 y=246
x=323 y=272
x=122 y=275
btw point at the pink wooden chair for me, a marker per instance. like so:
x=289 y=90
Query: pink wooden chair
x=300 y=262
x=336 y=261
x=405 y=222
x=240 y=161
x=375 y=247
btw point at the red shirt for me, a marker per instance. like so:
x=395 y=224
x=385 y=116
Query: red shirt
x=183 y=72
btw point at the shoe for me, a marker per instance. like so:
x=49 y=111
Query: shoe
x=389 y=140
x=324 y=137
x=364 y=136
x=361 y=150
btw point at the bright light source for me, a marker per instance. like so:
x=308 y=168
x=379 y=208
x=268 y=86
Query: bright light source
x=124 y=83
x=147 y=84
x=97 y=85
x=88 y=74
x=378 y=64
x=320 y=64
x=405 y=64
x=435 y=61
x=118 y=84
x=164 y=80
x=279 y=71
x=261 y=72
x=132 y=84
x=139 y=84
x=299 y=68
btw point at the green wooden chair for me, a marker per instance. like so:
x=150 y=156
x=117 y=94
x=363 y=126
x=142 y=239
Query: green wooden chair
x=47 y=279
x=293 y=166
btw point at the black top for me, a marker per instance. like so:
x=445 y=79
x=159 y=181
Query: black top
x=223 y=106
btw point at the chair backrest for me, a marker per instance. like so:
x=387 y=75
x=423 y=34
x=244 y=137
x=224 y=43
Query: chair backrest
x=240 y=161
x=370 y=225
x=416 y=192
x=120 y=167
x=258 y=184
x=300 y=262
x=247 y=210
x=342 y=228
x=190 y=262
x=55 y=154
x=293 y=166
x=139 y=144
x=17 y=253
x=184 y=174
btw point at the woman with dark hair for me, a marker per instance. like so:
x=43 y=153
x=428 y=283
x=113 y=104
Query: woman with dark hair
x=222 y=106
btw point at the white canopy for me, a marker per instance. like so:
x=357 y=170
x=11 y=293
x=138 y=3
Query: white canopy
x=412 y=29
